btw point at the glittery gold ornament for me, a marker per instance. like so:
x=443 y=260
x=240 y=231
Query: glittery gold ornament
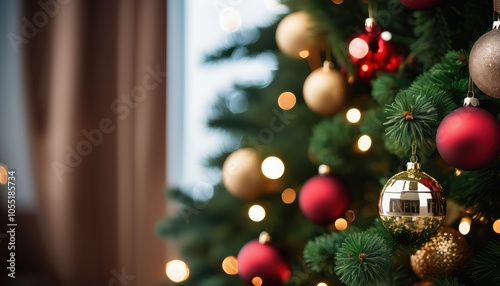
x=412 y=205
x=443 y=255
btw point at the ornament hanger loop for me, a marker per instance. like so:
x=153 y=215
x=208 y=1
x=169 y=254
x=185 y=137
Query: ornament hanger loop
x=414 y=157
x=496 y=14
x=372 y=9
x=470 y=100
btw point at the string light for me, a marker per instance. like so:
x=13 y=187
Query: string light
x=386 y=36
x=350 y=216
x=304 y=54
x=358 y=48
x=287 y=100
x=256 y=213
x=464 y=226
x=3 y=174
x=288 y=196
x=353 y=115
x=341 y=224
x=230 y=265
x=257 y=281
x=364 y=143
x=322 y=284
x=496 y=226
x=177 y=270
x=272 y=167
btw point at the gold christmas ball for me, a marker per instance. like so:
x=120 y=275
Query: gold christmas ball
x=412 y=205
x=443 y=255
x=484 y=63
x=294 y=34
x=325 y=90
x=241 y=174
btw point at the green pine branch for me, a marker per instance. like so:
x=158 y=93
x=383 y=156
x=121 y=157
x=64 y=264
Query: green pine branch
x=333 y=142
x=364 y=259
x=485 y=267
x=478 y=190
x=432 y=36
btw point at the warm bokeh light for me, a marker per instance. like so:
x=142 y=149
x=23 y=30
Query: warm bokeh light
x=358 y=48
x=350 y=216
x=257 y=281
x=341 y=224
x=365 y=67
x=335 y=2
x=386 y=36
x=230 y=19
x=458 y=172
x=353 y=115
x=230 y=265
x=177 y=270
x=3 y=174
x=288 y=196
x=351 y=79
x=287 y=100
x=322 y=283
x=496 y=226
x=464 y=226
x=304 y=54
x=256 y=213
x=364 y=143
x=323 y=169
x=272 y=167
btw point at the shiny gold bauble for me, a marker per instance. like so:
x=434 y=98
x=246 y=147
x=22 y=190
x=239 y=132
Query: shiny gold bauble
x=443 y=255
x=294 y=34
x=241 y=174
x=325 y=90
x=412 y=205
x=484 y=63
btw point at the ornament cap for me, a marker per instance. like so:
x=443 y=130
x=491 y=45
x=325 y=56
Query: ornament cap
x=370 y=24
x=412 y=166
x=264 y=238
x=496 y=24
x=327 y=65
x=324 y=169
x=471 y=101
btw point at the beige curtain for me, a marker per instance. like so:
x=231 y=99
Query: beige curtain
x=95 y=84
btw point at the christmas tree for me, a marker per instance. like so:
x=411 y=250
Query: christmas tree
x=371 y=94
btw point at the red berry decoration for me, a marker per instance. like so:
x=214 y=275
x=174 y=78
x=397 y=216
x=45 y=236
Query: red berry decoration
x=371 y=51
x=324 y=198
x=258 y=260
x=420 y=4
x=469 y=138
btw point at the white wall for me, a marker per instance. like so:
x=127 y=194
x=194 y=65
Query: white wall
x=203 y=33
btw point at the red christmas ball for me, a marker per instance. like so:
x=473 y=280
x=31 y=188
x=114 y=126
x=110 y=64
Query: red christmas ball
x=469 y=138
x=371 y=51
x=420 y=4
x=263 y=261
x=323 y=199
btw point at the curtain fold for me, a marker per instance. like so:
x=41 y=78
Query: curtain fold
x=95 y=85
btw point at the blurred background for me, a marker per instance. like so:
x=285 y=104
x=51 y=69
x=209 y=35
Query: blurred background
x=103 y=105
